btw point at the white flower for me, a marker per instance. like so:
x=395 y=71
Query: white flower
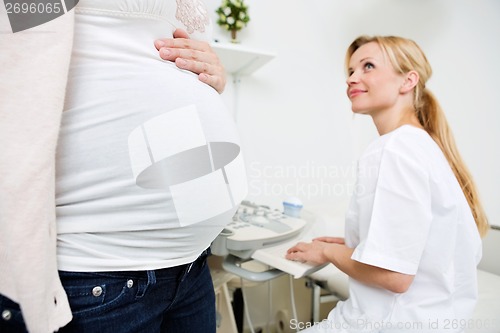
x=232 y=14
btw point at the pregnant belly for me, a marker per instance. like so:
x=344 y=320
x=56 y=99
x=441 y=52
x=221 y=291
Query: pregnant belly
x=147 y=129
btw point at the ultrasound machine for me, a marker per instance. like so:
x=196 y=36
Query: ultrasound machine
x=260 y=233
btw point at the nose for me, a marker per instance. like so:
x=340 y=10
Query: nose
x=352 y=78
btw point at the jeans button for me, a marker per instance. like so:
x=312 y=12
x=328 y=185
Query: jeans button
x=97 y=291
x=130 y=283
x=6 y=315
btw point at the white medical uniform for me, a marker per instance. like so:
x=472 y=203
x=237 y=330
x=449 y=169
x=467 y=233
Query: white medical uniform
x=409 y=215
x=149 y=167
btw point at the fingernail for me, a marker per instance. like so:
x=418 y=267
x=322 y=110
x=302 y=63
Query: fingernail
x=160 y=43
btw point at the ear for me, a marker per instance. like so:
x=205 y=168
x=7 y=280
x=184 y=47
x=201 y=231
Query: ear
x=410 y=81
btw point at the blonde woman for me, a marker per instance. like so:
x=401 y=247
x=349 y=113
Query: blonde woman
x=413 y=230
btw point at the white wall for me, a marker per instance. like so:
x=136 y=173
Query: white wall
x=299 y=136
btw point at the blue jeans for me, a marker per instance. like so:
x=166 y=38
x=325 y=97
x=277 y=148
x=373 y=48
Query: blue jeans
x=170 y=300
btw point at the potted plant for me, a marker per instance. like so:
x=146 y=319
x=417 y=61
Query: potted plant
x=233 y=16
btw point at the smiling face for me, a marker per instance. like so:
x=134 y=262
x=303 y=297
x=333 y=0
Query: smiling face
x=373 y=85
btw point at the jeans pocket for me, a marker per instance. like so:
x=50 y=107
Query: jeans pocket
x=91 y=297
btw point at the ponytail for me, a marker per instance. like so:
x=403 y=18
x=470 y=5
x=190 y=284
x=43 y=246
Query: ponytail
x=432 y=118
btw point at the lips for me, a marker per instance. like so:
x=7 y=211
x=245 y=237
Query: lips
x=355 y=92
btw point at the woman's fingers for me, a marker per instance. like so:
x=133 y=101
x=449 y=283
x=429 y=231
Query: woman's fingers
x=195 y=56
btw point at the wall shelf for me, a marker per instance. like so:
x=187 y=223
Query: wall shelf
x=239 y=60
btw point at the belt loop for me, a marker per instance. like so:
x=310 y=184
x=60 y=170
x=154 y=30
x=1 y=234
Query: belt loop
x=203 y=257
x=151 y=277
x=142 y=286
x=189 y=267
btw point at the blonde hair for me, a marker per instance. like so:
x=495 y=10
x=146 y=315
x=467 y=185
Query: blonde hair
x=405 y=55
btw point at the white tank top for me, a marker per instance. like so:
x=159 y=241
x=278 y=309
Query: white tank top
x=149 y=167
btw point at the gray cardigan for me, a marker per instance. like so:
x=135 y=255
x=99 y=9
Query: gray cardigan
x=33 y=73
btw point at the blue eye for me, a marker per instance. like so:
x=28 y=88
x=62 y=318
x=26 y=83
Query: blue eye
x=369 y=65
